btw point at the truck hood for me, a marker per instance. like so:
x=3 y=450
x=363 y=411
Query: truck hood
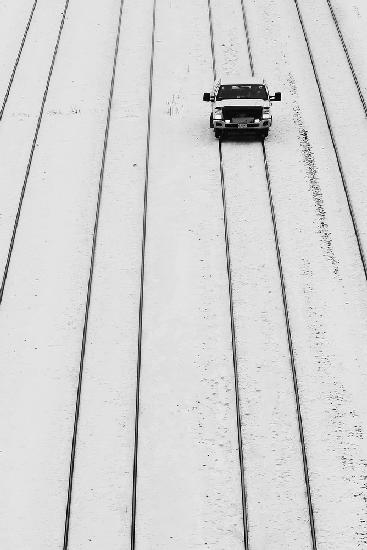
x=242 y=103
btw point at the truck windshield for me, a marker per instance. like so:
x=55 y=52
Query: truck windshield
x=242 y=91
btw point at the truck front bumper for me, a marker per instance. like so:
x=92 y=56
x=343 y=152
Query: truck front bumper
x=242 y=127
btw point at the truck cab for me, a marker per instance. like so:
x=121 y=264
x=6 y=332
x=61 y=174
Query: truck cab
x=242 y=107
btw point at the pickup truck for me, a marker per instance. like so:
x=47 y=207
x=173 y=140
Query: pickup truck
x=241 y=108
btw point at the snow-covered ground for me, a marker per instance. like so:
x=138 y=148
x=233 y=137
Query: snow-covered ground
x=172 y=476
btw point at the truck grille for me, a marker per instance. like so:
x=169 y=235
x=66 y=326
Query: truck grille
x=242 y=115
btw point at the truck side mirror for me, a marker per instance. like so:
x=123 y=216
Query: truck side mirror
x=206 y=96
x=276 y=97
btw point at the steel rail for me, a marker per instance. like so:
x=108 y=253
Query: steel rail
x=89 y=289
x=333 y=140
x=346 y=51
x=232 y=321
x=234 y=356
x=286 y=314
x=33 y=147
x=141 y=298
x=211 y=30
x=12 y=76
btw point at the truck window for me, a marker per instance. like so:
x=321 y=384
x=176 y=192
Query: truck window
x=242 y=91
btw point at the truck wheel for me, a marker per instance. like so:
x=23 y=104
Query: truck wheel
x=265 y=133
x=211 y=121
x=218 y=133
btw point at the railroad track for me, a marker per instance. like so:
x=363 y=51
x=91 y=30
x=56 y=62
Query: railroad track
x=16 y=63
x=231 y=308
x=285 y=309
x=333 y=140
x=89 y=289
x=291 y=355
x=347 y=55
x=30 y=158
x=141 y=297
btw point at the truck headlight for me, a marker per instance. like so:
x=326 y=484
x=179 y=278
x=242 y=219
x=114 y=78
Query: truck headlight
x=266 y=116
x=218 y=116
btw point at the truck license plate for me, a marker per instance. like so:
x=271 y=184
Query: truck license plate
x=242 y=125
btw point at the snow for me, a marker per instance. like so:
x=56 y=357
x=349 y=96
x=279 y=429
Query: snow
x=188 y=481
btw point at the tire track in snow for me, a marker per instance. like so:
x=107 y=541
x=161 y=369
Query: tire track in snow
x=286 y=311
x=141 y=298
x=311 y=169
x=350 y=63
x=12 y=76
x=333 y=140
x=33 y=147
x=231 y=307
x=89 y=290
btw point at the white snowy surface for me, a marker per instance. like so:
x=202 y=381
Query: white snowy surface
x=188 y=482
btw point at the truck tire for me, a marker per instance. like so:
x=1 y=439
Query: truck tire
x=265 y=133
x=218 y=133
x=211 y=121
